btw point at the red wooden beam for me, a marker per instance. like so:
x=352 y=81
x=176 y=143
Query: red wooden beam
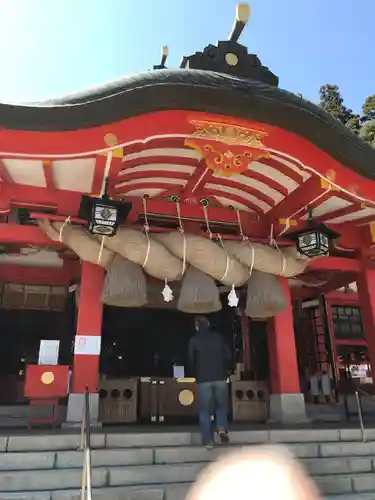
x=192 y=180
x=98 y=174
x=337 y=282
x=26 y=195
x=360 y=222
x=16 y=234
x=338 y=213
x=57 y=218
x=155 y=160
x=147 y=184
x=194 y=186
x=35 y=275
x=194 y=227
x=235 y=198
x=299 y=198
x=66 y=202
x=190 y=211
x=256 y=193
x=335 y=264
x=147 y=178
x=332 y=285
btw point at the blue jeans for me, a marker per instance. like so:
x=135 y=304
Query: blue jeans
x=212 y=397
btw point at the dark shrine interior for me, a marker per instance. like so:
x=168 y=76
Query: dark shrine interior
x=135 y=342
x=149 y=342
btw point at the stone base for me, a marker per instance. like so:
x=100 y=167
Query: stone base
x=287 y=409
x=76 y=410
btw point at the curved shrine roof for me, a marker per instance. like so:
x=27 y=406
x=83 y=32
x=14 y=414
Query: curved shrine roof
x=194 y=90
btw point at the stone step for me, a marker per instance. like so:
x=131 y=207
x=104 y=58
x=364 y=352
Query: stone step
x=346 y=483
x=334 y=475
x=13 y=481
x=157 y=492
x=47 y=460
x=350 y=496
x=66 y=441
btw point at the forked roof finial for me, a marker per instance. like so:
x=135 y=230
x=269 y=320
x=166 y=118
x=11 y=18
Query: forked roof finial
x=163 y=60
x=240 y=21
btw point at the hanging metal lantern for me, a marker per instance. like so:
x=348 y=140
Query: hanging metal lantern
x=315 y=240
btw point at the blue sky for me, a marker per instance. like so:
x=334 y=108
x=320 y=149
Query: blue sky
x=53 y=47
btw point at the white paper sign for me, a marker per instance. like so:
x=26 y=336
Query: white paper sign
x=359 y=371
x=178 y=371
x=87 y=344
x=49 y=352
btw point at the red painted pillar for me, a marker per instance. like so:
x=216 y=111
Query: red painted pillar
x=286 y=401
x=366 y=295
x=87 y=343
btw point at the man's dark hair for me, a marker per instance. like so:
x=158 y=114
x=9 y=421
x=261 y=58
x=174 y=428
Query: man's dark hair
x=201 y=323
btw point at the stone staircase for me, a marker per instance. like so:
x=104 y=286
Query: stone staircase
x=336 y=412
x=160 y=465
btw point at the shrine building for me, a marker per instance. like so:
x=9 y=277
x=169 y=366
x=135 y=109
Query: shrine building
x=128 y=208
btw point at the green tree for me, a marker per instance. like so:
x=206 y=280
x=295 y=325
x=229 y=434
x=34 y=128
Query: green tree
x=368 y=108
x=354 y=123
x=332 y=102
x=367 y=131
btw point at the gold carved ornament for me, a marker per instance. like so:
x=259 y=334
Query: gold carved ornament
x=227 y=149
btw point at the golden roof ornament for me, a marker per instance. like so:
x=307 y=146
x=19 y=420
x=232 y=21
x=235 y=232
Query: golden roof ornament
x=229 y=134
x=240 y=21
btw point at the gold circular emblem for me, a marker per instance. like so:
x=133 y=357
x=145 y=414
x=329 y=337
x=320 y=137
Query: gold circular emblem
x=231 y=59
x=47 y=378
x=186 y=397
x=110 y=140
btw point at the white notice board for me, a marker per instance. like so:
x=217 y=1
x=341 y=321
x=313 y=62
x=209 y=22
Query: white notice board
x=87 y=344
x=49 y=352
x=178 y=371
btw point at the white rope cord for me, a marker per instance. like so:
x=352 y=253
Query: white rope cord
x=107 y=169
x=240 y=224
x=67 y=221
x=247 y=240
x=220 y=240
x=228 y=261
x=252 y=256
x=207 y=222
x=146 y=229
x=101 y=250
x=182 y=231
x=273 y=242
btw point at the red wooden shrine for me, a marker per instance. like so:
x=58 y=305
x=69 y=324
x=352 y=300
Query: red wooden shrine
x=224 y=146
